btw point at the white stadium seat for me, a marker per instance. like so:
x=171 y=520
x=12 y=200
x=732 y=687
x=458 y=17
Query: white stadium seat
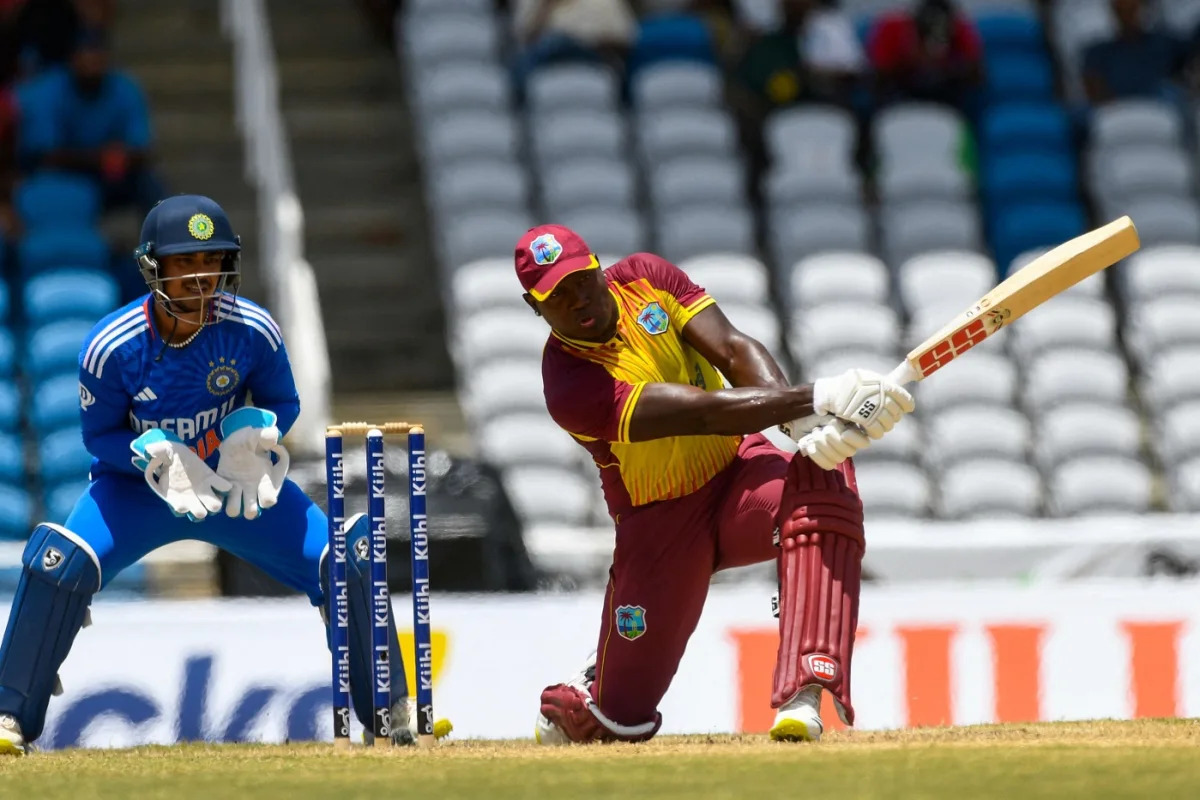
x=501 y=388
x=548 y=494
x=1162 y=271
x=834 y=277
x=1067 y=375
x=730 y=277
x=1172 y=378
x=973 y=432
x=892 y=489
x=484 y=285
x=990 y=488
x=1068 y=321
x=498 y=334
x=837 y=327
x=1100 y=485
x=1156 y=326
x=979 y=378
x=1083 y=429
x=528 y=439
x=948 y=278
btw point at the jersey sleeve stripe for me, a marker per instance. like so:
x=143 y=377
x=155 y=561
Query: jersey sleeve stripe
x=259 y=321
x=627 y=412
x=252 y=311
x=112 y=340
x=258 y=326
x=107 y=333
x=699 y=305
x=99 y=371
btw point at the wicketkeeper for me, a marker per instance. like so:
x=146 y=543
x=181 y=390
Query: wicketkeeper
x=633 y=370
x=178 y=454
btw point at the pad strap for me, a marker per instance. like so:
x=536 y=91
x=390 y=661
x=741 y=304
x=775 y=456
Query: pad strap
x=820 y=564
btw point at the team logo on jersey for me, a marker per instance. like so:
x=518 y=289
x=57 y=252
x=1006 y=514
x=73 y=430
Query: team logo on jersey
x=200 y=226
x=631 y=621
x=86 y=398
x=545 y=249
x=654 y=319
x=52 y=559
x=223 y=378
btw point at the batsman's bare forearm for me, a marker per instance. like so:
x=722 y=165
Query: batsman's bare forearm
x=673 y=409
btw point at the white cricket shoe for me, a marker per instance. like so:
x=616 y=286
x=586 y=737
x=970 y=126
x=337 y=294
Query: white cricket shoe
x=12 y=741
x=799 y=720
x=545 y=731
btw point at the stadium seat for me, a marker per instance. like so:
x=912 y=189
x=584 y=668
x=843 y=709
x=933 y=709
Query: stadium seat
x=1122 y=175
x=1026 y=128
x=12 y=456
x=1185 y=484
x=671 y=37
x=8 y=353
x=809 y=231
x=55 y=403
x=1019 y=76
x=16 y=513
x=529 y=440
x=1166 y=221
x=1069 y=375
x=1020 y=227
x=695 y=231
x=1009 y=30
x=1171 y=378
x=1140 y=121
x=530 y=487
x=470 y=135
x=912 y=180
x=890 y=489
x=700 y=180
x=990 y=488
x=1161 y=271
x=1067 y=321
x=67 y=293
x=1158 y=325
x=421 y=8
x=556 y=89
x=1177 y=431
x=835 y=277
x=912 y=130
x=470 y=237
x=63 y=457
x=969 y=432
x=828 y=365
x=730 y=278
x=466 y=86
x=811 y=135
x=579 y=183
x=483 y=285
x=619 y=231
x=1084 y=429
x=469 y=185
x=504 y=387
x=434 y=39
x=61 y=500
x=497 y=334
x=1017 y=176
x=61 y=247
x=10 y=406
x=945 y=278
x=902 y=444
x=57 y=199
x=1100 y=485
x=835 y=327
x=54 y=348
x=678 y=84
x=795 y=183
x=910 y=229
x=583 y=134
x=680 y=132
x=757 y=321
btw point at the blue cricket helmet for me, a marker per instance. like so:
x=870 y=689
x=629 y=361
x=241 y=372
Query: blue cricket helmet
x=188 y=223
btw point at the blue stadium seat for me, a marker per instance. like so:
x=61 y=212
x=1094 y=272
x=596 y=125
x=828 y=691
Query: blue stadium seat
x=10 y=406
x=12 y=459
x=54 y=348
x=8 y=354
x=16 y=511
x=57 y=199
x=1026 y=127
x=59 y=248
x=1010 y=32
x=70 y=293
x=671 y=37
x=63 y=457
x=62 y=498
x=55 y=403
x=1019 y=77
x=1016 y=177
x=1027 y=226
x=5 y=297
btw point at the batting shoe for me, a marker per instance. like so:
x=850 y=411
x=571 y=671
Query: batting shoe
x=799 y=720
x=12 y=741
x=404 y=725
x=545 y=731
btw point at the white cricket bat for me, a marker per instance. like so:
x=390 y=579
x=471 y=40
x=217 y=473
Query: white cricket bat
x=1019 y=293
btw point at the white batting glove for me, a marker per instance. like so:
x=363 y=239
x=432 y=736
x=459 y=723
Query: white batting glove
x=831 y=444
x=249 y=437
x=178 y=476
x=863 y=397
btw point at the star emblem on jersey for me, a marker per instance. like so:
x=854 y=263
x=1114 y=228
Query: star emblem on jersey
x=223 y=378
x=545 y=249
x=653 y=319
x=631 y=621
x=200 y=226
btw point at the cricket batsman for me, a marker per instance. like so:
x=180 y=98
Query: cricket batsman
x=633 y=369
x=178 y=454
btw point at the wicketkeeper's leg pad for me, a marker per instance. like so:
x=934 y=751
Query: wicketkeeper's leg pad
x=581 y=721
x=358 y=592
x=820 y=563
x=60 y=574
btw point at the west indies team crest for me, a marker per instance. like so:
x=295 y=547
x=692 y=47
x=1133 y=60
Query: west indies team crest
x=223 y=377
x=631 y=621
x=200 y=226
x=545 y=249
x=653 y=318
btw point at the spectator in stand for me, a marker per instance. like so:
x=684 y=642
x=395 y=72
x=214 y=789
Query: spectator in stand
x=1139 y=61
x=92 y=119
x=932 y=53
x=572 y=30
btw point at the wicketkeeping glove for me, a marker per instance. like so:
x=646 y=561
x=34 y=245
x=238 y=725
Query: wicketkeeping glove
x=249 y=436
x=863 y=397
x=177 y=475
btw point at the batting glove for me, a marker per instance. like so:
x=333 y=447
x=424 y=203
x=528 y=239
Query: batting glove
x=863 y=397
x=831 y=444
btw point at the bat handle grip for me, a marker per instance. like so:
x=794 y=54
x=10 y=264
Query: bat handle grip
x=904 y=373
